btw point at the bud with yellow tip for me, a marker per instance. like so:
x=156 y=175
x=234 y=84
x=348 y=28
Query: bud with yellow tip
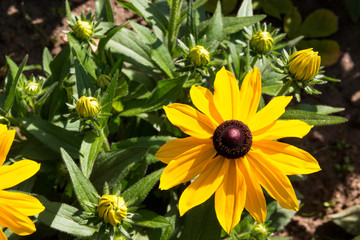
x=304 y=65
x=87 y=107
x=199 y=56
x=112 y=209
x=261 y=42
x=32 y=88
x=83 y=30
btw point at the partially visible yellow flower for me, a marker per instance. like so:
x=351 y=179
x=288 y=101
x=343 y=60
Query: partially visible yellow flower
x=112 y=209
x=231 y=150
x=32 y=88
x=199 y=56
x=83 y=30
x=15 y=207
x=87 y=107
x=103 y=81
x=261 y=42
x=304 y=64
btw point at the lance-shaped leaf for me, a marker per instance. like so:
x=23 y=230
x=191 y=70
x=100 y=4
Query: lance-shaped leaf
x=201 y=223
x=89 y=150
x=10 y=98
x=103 y=10
x=64 y=218
x=312 y=118
x=53 y=136
x=112 y=166
x=138 y=192
x=84 y=190
x=349 y=219
x=150 y=219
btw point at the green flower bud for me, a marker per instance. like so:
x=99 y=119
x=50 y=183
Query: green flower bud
x=304 y=64
x=112 y=209
x=261 y=42
x=259 y=231
x=87 y=107
x=32 y=88
x=83 y=30
x=103 y=81
x=199 y=56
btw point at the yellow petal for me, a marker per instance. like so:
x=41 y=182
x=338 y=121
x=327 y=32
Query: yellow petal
x=187 y=165
x=172 y=149
x=11 y=175
x=18 y=222
x=6 y=139
x=273 y=180
x=230 y=196
x=255 y=202
x=288 y=159
x=24 y=203
x=281 y=129
x=2 y=235
x=203 y=99
x=204 y=185
x=267 y=115
x=189 y=120
x=226 y=95
x=250 y=94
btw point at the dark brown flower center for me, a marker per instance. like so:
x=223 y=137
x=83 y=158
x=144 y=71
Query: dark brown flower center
x=232 y=139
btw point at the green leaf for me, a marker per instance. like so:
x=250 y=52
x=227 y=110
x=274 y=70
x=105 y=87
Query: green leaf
x=167 y=91
x=279 y=217
x=65 y=218
x=107 y=99
x=135 y=194
x=104 y=11
x=276 y=7
x=320 y=109
x=152 y=143
x=292 y=22
x=68 y=9
x=313 y=118
x=159 y=53
x=52 y=136
x=59 y=67
x=201 y=223
x=320 y=23
x=151 y=13
x=133 y=48
x=348 y=219
x=84 y=190
x=84 y=81
x=353 y=7
x=150 y=219
x=235 y=24
x=83 y=56
x=246 y=9
x=90 y=147
x=328 y=49
x=214 y=30
x=47 y=58
x=112 y=166
x=10 y=98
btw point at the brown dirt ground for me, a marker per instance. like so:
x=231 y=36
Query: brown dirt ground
x=331 y=145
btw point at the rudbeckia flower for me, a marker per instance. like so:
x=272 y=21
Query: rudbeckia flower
x=15 y=207
x=231 y=150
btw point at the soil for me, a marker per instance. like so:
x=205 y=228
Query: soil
x=28 y=28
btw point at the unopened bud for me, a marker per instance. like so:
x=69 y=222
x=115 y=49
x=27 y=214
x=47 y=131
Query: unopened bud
x=112 y=209
x=32 y=88
x=304 y=64
x=199 y=56
x=83 y=30
x=87 y=107
x=261 y=42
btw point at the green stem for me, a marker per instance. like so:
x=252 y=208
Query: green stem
x=284 y=88
x=105 y=141
x=174 y=23
x=253 y=62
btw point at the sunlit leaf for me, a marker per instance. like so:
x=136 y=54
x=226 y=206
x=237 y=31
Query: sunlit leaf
x=320 y=23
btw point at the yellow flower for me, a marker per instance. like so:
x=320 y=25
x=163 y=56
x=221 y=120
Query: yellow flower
x=304 y=64
x=15 y=207
x=199 y=56
x=83 y=30
x=112 y=209
x=261 y=42
x=231 y=150
x=87 y=107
